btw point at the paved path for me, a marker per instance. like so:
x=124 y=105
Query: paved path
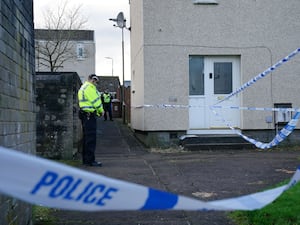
x=204 y=174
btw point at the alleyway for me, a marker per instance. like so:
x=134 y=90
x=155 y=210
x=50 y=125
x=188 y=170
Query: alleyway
x=204 y=174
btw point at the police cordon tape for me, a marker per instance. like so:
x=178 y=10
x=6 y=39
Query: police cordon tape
x=219 y=107
x=261 y=75
x=44 y=182
x=279 y=137
x=243 y=87
x=285 y=131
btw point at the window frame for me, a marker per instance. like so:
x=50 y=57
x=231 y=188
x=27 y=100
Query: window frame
x=205 y=2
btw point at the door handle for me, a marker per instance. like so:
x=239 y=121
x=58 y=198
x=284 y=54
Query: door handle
x=210 y=75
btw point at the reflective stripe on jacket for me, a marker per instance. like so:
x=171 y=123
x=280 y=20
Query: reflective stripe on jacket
x=106 y=98
x=89 y=98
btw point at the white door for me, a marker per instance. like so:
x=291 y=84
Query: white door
x=211 y=80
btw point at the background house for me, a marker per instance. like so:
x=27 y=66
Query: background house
x=110 y=83
x=196 y=52
x=78 y=48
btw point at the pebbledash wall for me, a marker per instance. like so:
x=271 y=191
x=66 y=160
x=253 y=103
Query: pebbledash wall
x=17 y=95
x=58 y=126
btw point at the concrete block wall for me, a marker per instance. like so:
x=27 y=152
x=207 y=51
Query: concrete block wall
x=17 y=94
x=58 y=126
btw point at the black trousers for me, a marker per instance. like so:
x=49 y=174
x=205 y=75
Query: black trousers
x=107 y=109
x=89 y=126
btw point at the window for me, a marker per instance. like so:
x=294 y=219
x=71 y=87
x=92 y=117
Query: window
x=80 y=52
x=196 y=75
x=222 y=77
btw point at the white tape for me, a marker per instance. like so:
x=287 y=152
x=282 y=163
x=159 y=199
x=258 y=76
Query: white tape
x=44 y=182
x=261 y=75
x=279 y=137
x=284 y=132
x=218 y=107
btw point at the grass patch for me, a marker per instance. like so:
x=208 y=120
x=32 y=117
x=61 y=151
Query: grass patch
x=74 y=163
x=283 y=211
x=42 y=215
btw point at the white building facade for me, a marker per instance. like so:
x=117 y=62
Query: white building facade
x=79 y=54
x=191 y=54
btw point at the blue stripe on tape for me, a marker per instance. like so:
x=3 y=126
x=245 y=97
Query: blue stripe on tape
x=279 y=137
x=287 y=130
x=260 y=76
x=33 y=168
x=159 y=200
x=297 y=116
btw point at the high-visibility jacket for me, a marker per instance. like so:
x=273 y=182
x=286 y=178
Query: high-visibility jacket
x=106 y=98
x=89 y=98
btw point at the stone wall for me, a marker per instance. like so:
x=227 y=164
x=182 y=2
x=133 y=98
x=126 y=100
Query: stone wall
x=58 y=126
x=17 y=97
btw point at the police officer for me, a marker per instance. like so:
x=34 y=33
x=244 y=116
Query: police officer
x=90 y=107
x=106 y=99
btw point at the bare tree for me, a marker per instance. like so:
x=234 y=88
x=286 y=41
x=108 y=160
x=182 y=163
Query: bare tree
x=55 y=44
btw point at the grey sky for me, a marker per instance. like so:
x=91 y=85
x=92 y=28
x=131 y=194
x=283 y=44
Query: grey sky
x=107 y=37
